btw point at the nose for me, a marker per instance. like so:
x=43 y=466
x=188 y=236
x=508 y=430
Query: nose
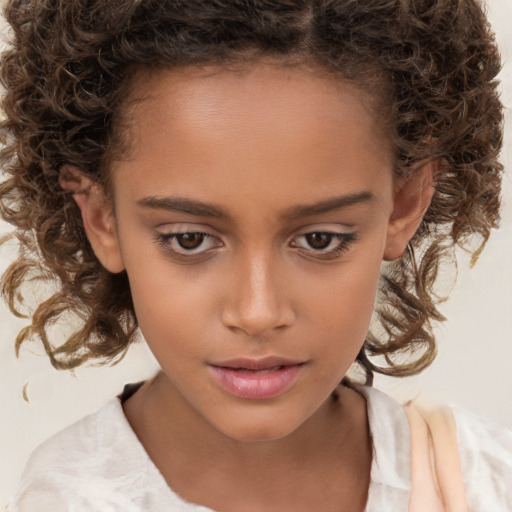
x=257 y=301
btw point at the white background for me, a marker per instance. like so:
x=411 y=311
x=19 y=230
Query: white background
x=473 y=369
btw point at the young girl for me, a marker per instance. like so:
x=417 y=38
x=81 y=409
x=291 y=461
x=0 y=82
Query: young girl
x=227 y=178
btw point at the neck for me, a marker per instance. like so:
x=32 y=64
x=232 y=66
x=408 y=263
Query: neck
x=197 y=460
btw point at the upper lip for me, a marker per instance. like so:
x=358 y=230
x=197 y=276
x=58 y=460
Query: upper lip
x=257 y=364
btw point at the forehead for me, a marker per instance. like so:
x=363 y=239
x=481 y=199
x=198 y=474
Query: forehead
x=256 y=92
x=293 y=126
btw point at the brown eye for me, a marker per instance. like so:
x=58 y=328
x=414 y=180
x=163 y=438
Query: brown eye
x=323 y=245
x=190 y=241
x=319 y=240
x=188 y=244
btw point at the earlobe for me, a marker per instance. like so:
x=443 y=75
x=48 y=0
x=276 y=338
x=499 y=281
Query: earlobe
x=413 y=195
x=97 y=216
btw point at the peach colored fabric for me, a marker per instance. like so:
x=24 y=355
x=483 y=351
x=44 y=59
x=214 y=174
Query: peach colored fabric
x=437 y=484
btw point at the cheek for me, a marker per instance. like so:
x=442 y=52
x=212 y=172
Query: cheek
x=341 y=309
x=165 y=300
x=169 y=305
x=349 y=290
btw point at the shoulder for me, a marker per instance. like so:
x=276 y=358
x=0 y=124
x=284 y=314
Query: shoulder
x=95 y=464
x=485 y=450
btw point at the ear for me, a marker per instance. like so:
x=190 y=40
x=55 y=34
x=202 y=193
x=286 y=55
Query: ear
x=97 y=215
x=412 y=197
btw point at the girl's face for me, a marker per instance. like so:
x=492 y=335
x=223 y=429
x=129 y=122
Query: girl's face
x=252 y=217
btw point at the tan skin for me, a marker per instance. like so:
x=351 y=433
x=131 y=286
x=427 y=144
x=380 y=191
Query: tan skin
x=285 y=177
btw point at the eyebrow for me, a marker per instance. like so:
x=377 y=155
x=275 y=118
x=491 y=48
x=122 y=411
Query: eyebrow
x=183 y=205
x=328 y=205
x=200 y=209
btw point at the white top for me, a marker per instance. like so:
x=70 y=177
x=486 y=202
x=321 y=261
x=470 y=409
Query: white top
x=98 y=464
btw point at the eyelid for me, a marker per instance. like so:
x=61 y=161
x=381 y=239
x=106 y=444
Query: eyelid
x=333 y=229
x=185 y=227
x=326 y=227
x=181 y=228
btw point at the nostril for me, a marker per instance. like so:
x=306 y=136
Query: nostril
x=256 y=322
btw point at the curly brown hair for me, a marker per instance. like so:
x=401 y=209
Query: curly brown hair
x=67 y=77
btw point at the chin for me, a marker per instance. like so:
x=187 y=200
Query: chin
x=257 y=430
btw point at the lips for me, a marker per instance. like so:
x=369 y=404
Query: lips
x=256 y=379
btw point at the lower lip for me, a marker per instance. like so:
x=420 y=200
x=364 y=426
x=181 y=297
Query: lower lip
x=256 y=385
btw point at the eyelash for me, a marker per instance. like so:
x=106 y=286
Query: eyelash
x=167 y=240
x=345 y=240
